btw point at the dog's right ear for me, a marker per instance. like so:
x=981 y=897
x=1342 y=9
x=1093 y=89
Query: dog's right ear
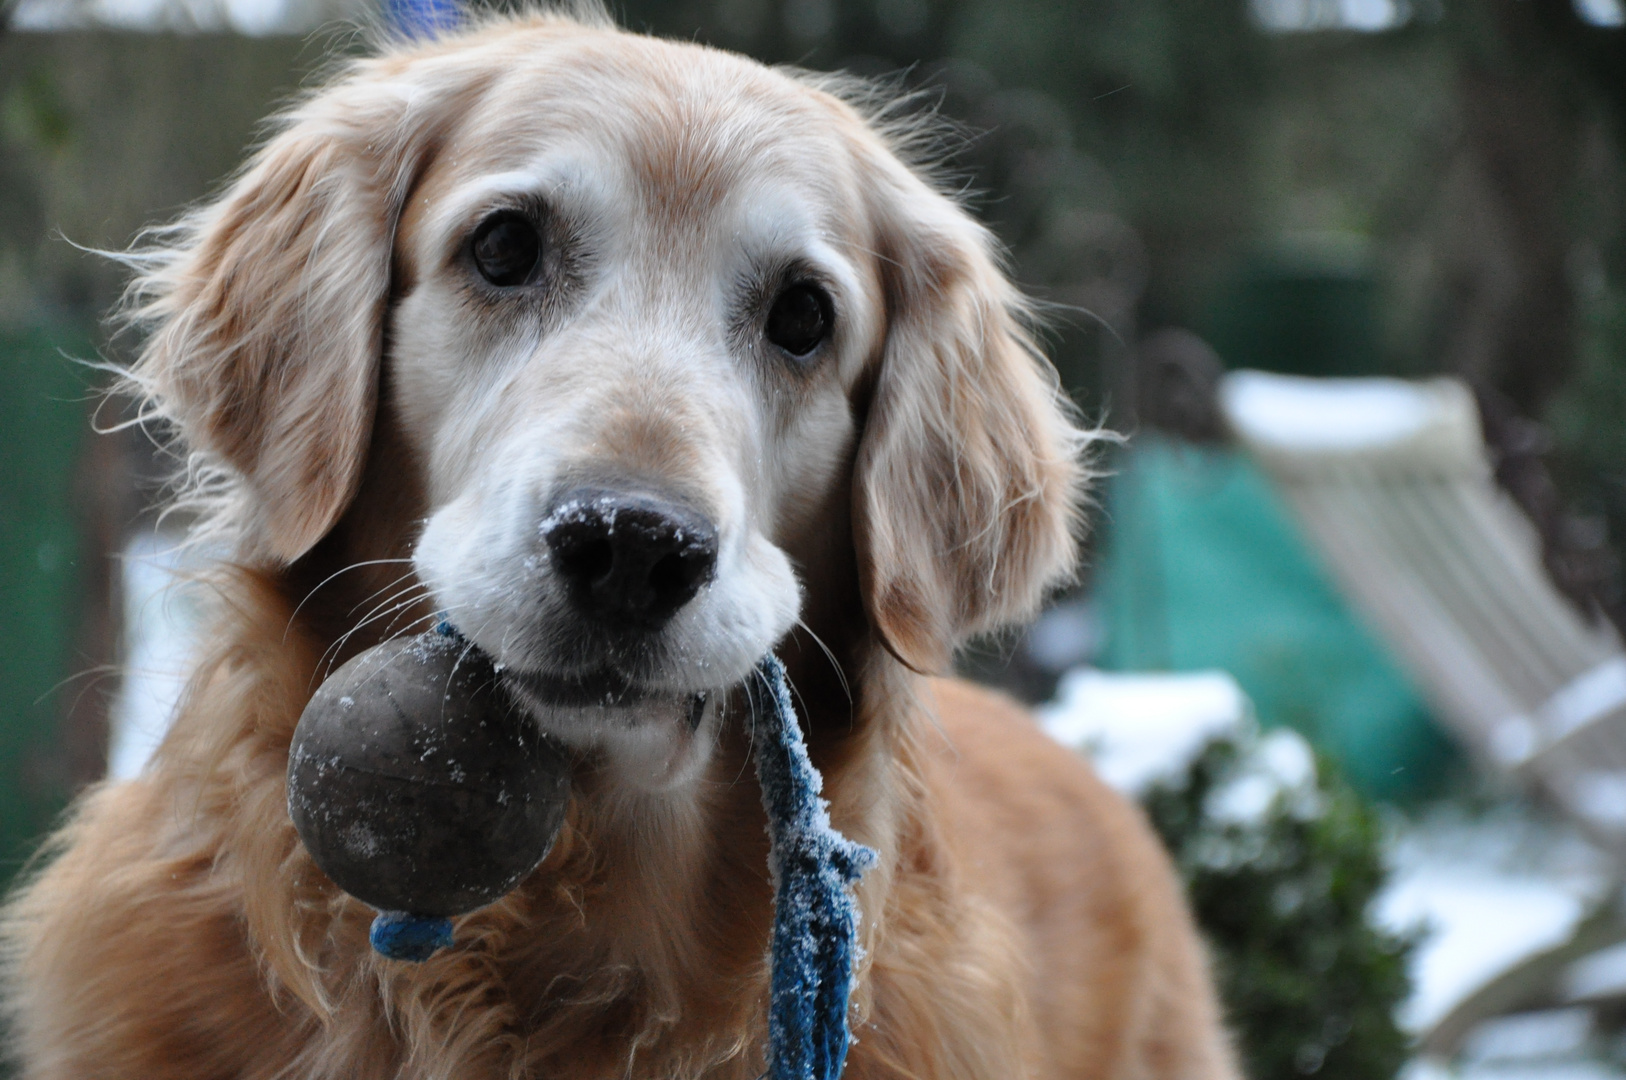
x=266 y=306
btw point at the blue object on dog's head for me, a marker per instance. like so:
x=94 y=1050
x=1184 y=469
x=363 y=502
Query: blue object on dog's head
x=815 y=923
x=423 y=18
x=402 y=936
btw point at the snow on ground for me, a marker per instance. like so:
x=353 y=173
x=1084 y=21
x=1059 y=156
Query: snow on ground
x=1598 y=976
x=1489 y=890
x=1142 y=728
x=1532 y=1069
x=1548 y=1044
x=162 y=618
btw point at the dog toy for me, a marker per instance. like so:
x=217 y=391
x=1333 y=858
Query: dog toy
x=419 y=788
x=815 y=920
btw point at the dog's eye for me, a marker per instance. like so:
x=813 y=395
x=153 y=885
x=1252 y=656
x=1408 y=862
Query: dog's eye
x=507 y=249
x=799 y=319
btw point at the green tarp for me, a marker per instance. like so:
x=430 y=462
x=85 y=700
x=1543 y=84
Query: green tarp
x=1203 y=568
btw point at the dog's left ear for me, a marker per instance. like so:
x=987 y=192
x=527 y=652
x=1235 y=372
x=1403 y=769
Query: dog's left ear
x=969 y=478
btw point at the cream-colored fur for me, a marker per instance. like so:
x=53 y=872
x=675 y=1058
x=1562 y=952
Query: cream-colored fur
x=379 y=432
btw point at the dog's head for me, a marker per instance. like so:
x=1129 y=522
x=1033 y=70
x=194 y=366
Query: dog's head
x=662 y=329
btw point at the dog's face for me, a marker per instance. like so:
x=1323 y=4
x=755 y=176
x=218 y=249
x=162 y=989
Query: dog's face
x=628 y=352
x=644 y=312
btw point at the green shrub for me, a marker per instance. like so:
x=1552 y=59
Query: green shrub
x=1310 y=985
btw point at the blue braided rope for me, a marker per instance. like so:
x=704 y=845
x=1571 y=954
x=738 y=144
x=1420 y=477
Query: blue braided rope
x=815 y=925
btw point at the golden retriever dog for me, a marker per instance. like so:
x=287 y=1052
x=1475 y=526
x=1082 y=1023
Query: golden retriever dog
x=540 y=263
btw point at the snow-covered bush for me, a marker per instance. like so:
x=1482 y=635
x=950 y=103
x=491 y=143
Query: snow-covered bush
x=1281 y=861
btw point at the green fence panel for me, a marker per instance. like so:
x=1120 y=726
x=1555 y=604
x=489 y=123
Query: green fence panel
x=43 y=423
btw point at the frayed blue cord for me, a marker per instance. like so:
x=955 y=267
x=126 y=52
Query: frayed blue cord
x=815 y=924
x=399 y=935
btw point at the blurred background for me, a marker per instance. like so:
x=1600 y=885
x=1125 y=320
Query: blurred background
x=1348 y=275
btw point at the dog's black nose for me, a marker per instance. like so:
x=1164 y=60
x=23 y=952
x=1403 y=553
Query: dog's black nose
x=629 y=558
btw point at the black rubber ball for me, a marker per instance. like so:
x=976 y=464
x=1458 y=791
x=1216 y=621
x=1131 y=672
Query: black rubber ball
x=416 y=784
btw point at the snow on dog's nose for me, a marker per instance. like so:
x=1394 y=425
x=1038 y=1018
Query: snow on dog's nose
x=629 y=560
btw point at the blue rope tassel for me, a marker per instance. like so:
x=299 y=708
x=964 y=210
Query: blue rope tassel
x=399 y=935
x=815 y=926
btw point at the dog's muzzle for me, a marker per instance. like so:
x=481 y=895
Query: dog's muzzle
x=623 y=564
